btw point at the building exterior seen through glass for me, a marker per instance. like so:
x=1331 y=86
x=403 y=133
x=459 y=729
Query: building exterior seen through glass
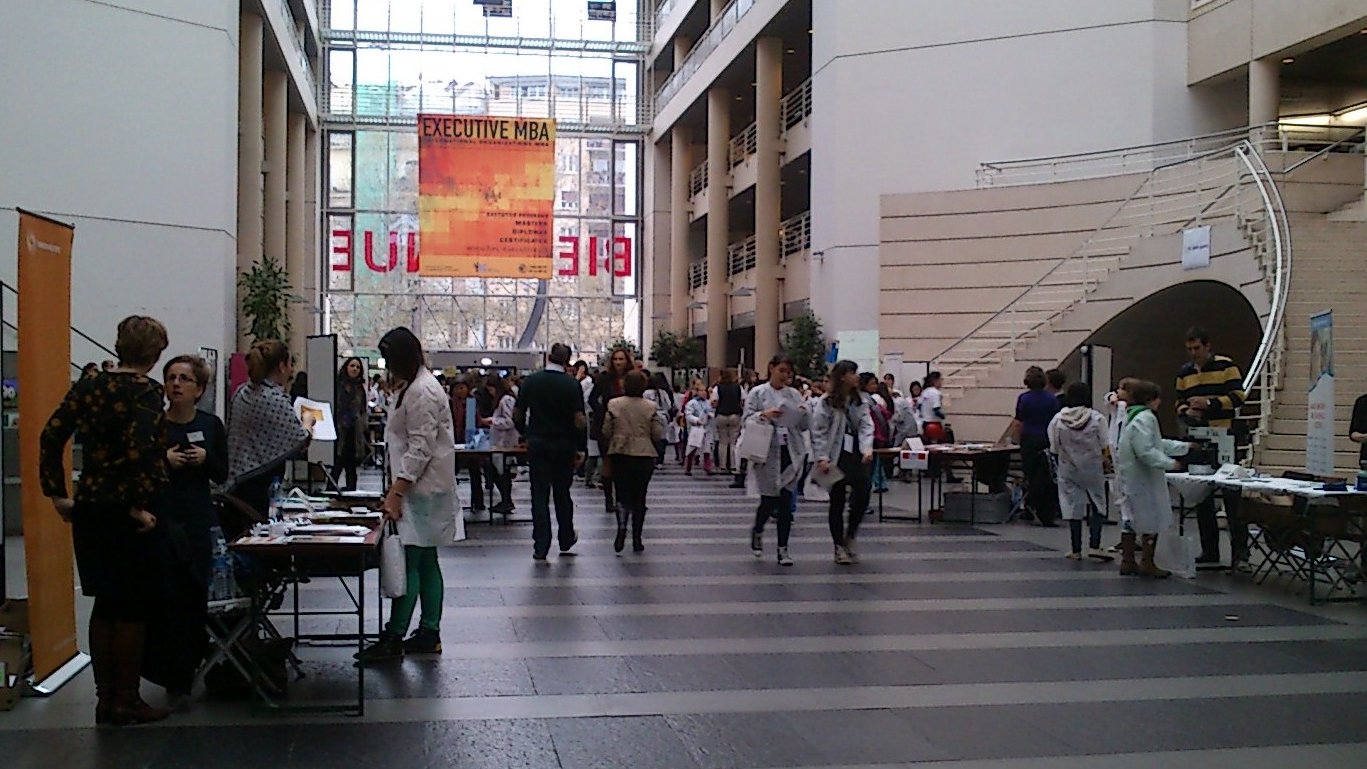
x=389 y=60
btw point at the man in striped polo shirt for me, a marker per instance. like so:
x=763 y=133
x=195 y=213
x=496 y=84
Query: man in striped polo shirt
x=1210 y=391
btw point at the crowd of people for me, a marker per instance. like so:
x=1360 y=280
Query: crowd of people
x=145 y=516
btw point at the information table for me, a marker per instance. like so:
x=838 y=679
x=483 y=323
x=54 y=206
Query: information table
x=943 y=456
x=1321 y=533
x=294 y=559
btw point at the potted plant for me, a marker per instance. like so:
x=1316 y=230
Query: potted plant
x=265 y=291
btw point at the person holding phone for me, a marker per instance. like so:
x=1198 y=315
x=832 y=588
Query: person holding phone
x=117 y=538
x=196 y=457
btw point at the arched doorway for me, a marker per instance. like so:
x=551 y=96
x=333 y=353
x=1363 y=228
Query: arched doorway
x=1147 y=338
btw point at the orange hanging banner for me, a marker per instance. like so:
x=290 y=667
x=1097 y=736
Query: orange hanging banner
x=44 y=378
x=486 y=190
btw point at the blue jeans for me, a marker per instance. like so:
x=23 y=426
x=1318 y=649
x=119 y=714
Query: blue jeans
x=551 y=476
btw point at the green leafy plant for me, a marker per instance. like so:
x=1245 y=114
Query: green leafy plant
x=265 y=292
x=676 y=351
x=805 y=343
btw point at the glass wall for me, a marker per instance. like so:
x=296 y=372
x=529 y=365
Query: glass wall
x=389 y=60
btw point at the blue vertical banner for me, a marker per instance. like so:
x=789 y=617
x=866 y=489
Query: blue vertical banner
x=1319 y=433
x=602 y=10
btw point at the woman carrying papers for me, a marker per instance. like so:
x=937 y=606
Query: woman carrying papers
x=776 y=409
x=842 y=445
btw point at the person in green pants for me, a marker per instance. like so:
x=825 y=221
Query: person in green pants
x=422 y=499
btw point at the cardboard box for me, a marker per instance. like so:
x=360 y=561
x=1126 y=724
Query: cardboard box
x=14 y=658
x=910 y=459
x=987 y=508
x=14 y=616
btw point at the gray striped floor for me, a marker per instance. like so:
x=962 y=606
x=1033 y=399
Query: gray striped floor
x=957 y=647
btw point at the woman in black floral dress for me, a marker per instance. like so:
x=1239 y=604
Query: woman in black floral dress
x=119 y=547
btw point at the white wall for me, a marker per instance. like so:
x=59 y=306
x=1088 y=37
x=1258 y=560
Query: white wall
x=912 y=97
x=121 y=117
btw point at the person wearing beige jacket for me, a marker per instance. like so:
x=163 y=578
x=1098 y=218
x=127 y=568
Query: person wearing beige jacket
x=631 y=429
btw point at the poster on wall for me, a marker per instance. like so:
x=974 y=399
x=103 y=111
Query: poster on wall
x=860 y=346
x=1196 y=248
x=486 y=191
x=1319 y=434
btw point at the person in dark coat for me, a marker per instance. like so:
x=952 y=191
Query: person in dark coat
x=196 y=458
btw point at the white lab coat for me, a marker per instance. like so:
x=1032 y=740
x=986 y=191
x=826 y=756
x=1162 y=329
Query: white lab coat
x=1145 y=458
x=422 y=450
x=1077 y=437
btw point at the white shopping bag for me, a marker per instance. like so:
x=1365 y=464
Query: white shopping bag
x=1177 y=552
x=393 y=568
x=696 y=435
x=754 y=441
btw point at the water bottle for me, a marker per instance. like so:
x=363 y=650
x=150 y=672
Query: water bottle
x=273 y=513
x=221 y=584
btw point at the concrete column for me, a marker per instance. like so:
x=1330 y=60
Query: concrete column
x=718 y=222
x=250 y=151
x=680 y=166
x=1264 y=90
x=313 y=252
x=296 y=227
x=768 y=195
x=275 y=115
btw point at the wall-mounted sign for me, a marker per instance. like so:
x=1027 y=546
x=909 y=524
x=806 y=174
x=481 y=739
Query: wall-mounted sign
x=602 y=10
x=1196 y=248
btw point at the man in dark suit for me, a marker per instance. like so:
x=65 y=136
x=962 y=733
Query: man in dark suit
x=550 y=414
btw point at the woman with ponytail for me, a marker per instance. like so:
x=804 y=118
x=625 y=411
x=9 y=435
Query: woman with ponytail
x=777 y=476
x=263 y=431
x=843 y=439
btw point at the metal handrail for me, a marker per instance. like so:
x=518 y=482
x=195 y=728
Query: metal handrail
x=697 y=274
x=796 y=106
x=795 y=234
x=692 y=62
x=7 y=287
x=743 y=145
x=1144 y=197
x=1275 y=211
x=697 y=180
x=1356 y=137
x=741 y=256
x=1281 y=135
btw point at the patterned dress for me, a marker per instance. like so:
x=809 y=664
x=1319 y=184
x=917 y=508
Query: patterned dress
x=119 y=417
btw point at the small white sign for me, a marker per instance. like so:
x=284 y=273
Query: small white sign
x=1196 y=248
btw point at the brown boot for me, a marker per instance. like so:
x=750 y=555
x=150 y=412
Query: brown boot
x=1128 y=567
x=1147 y=568
x=102 y=666
x=127 y=648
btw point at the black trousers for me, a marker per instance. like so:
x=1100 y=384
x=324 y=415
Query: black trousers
x=346 y=458
x=780 y=507
x=552 y=474
x=631 y=477
x=855 y=485
x=1040 y=491
x=476 y=467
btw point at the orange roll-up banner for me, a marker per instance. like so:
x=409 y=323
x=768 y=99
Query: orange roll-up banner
x=486 y=191
x=44 y=378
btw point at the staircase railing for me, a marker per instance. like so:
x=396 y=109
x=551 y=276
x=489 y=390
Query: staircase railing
x=1166 y=200
x=76 y=331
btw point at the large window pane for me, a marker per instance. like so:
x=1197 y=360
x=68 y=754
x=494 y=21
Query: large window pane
x=339 y=170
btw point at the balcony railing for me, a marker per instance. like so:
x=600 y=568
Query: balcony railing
x=691 y=63
x=795 y=234
x=297 y=36
x=741 y=256
x=697 y=274
x=697 y=181
x=796 y=108
x=743 y=145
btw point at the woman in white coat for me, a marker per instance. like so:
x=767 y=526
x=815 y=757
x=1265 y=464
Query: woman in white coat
x=842 y=439
x=1077 y=439
x=503 y=436
x=422 y=499
x=777 y=476
x=1144 y=459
